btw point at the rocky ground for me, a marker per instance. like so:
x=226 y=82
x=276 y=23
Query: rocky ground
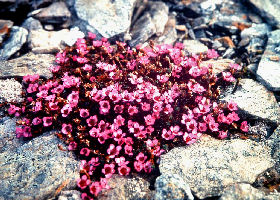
x=242 y=31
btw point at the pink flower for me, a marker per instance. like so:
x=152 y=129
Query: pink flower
x=38 y=106
x=66 y=128
x=148 y=167
x=211 y=53
x=97 y=43
x=108 y=170
x=213 y=126
x=32 y=88
x=119 y=108
x=157 y=107
x=195 y=71
x=222 y=118
x=132 y=110
x=87 y=67
x=91 y=35
x=228 y=77
x=162 y=78
x=36 y=121
x=123 y=170
x=119 y=121
x=235 y=66
x=121 y=161
x=92 y=121
x=222 y=134
x=175 y=130
x=113 y=151
x=95 y=188
x=232 y=106
x=149 y=120
x=167 y=135
x=47 y=121
x=202 y=127
x=141 y=157
x=138 y=166
x=13 y=109
x=128 y=150
x=54 y=68
x=84 y=113
x=144 y=60
x=104 y=107
x=168 y=109
x=145 y=106
x=53 y=105
x=85 y=151
x=83 y=182
x=244 y=126
x=65 y=111
x=72 y=146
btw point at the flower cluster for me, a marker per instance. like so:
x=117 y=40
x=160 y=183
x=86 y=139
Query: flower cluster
x=120 y=108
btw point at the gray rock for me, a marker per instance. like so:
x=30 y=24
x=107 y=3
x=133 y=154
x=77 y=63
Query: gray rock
x=52 y=42
x=246 y=191
x=269 y=68
x=151 y=23
x=255 y=101
x=252 y=68
x=123 y=188
x=269 y=9
x=256 y=45
x=17 y=38
x=108 y=17
x=5 y=26
x=256 y=30
x=274 y=143
x=210 y=165
x=37 y=169
x=28 y=64
x=217 y=65
x=8 y=140
x=194 y=47
x=172 y=186
x=10 y=91
x=56 y=13
x=32 y=24
x=70 y=195
x=169 y=35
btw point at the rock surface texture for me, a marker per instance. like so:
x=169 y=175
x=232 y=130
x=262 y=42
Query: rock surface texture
x=254 y=99
x=36 y=169
x=269 y=68
x=210 y=165
x=108 y=17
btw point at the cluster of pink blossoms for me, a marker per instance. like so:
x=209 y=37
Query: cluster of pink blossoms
x=120 y=108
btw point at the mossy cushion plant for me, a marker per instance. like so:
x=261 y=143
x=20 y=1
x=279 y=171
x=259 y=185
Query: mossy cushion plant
x=120 y=108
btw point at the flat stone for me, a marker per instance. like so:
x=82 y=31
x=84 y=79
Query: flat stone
x=37 y=169
x=172 y=186
x=246 y=191
x=256 y=30
x=217 y=65
x=274 y=142
x=17 y=38
x=28 y=64
x=169 y=35
x=269 y=9
x=10 y=91
x=123 y=188
x=255 y=101
x=194 y=47
x=151 y=23
x=32 y=24
x=210 y=165
x=56 y=13
x=269 y=67
x=108 y=17
x=52 y=42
